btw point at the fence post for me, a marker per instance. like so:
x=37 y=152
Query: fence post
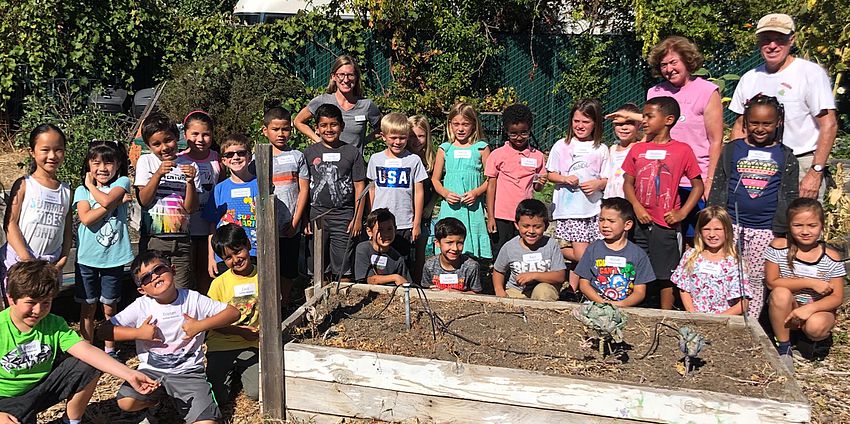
x=272 y=381
x=318 y=255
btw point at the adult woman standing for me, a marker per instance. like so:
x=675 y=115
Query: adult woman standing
x=345 y=91
x=701 y=122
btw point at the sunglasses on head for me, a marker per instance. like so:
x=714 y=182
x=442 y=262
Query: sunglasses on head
x=240 y=153
x=147 y=277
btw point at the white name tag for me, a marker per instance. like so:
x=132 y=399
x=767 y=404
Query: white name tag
x=240 y=192
x=245 y=290
x=379 y=260
x=462 y=154
x=709 y=268
x=392 y=163
x=532 y=257
x=810 y=271
x=285 y=159
x=656 y=154
x=758 y=155
x=330 y=157
x=51 y=197
x=582 y=149
x=529 y=162
x=448 y=279
x=359 y=118
x=170 y=313
x=617 y=261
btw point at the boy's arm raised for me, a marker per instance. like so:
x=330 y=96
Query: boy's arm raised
x=192 y=326
x=100 y=360
x=190 y=201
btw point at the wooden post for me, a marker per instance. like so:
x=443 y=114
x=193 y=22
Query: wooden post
x=318 y=255
x=268 y=273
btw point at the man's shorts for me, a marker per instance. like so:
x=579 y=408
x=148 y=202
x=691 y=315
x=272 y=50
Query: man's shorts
x=190 y=393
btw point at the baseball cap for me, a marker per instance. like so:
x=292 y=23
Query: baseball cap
x=778 y=22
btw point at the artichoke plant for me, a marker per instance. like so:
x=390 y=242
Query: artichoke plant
x=603 y=318
x=691 y=344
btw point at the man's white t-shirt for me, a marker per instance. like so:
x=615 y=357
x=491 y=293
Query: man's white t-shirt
x=804 y=90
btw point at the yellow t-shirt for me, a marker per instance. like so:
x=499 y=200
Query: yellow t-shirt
x=242 y=293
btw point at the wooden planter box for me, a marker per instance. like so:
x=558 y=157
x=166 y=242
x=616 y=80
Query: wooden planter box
x=325 y=384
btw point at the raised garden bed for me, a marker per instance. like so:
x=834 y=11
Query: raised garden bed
x=524 y=361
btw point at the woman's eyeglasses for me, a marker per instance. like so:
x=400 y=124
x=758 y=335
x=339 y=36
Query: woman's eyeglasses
x=342 y=77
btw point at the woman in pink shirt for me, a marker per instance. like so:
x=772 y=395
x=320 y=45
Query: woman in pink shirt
x=701 y=122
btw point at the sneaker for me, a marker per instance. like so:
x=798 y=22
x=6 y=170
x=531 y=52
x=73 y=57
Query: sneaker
x=788 y=360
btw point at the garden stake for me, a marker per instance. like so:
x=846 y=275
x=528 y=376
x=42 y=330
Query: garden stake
x=407 y=305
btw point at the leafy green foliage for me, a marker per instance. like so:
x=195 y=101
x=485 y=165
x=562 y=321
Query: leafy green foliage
x=586 y=64
x=603 y=318
x=824 y=33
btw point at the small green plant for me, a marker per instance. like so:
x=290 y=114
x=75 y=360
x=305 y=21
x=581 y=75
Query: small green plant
x=691 y=344
x=605 y=319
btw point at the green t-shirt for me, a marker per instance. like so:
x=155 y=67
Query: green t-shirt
x=26 y=358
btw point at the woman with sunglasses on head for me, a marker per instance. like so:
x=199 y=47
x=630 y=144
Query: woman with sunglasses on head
x=345 y=91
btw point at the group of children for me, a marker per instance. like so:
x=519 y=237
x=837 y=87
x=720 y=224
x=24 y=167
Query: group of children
x=617 y=238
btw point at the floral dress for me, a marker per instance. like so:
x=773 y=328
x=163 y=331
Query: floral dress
x=464 y=172
x=712 y=285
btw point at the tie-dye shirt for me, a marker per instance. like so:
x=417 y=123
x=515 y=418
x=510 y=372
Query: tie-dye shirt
x=167 y=215
x=757 y=194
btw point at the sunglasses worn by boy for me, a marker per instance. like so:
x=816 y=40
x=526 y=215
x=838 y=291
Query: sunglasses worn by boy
x=147 y=277
x=240 y=153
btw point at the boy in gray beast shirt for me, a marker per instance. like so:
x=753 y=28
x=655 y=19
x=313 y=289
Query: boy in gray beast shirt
x=532 y=260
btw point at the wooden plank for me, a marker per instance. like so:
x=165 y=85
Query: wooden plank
x=297 y=416
x=445 y=295
x=533 y=389
x=344 y=400
x=268 y=275
x=790 y=388
x=318 y=227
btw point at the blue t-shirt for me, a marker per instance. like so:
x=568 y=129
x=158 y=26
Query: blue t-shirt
x=106 y=243
x=233 y=203
x=759 y=170
x=615 y=273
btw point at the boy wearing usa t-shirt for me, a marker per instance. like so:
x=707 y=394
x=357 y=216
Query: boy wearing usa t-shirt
x=398 y=175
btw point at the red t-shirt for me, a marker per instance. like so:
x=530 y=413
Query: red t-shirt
x=657 y=169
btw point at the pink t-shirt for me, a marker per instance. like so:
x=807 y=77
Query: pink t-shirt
x=690 y=129
x=514 y=172
x=657 y=169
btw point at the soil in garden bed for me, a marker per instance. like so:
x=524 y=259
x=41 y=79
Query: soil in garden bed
x=547 y=341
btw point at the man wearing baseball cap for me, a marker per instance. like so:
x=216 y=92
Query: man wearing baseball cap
x=804 y=90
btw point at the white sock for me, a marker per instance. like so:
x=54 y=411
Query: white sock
x=67 y=420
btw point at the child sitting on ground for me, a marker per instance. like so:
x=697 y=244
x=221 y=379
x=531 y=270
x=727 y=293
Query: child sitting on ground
x=451 y=269
x=35 y=375
x=532 y=260
x=232 y=351
x=376 y=262
x=709 y=277
x=613 y=269
x=168 y=325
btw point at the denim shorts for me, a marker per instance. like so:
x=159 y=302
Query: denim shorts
x=92 y=285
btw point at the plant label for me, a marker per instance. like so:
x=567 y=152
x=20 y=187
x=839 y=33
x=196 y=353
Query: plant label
x=528 y=162
x=655 y=154
x=249 y=289
x=617 y=261
x=237 y=193
x=330 y=157
x=462 y=154
x=758 y=155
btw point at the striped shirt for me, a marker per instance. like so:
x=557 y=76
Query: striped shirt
x=823 y=269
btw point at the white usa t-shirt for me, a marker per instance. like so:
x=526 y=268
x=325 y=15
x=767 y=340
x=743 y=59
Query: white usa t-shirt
x=804 y=90
x=173 y=355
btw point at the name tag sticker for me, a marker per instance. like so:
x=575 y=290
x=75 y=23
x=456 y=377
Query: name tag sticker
x=392 y=163
x=240 y=192
x=330 y=157
x=170 y=313
x=462 y=154
x=709 y=268
x=532 y=257
x=51 y=197
x=617 y=261
x=582 y=149
x=359 y=118
x=448 y=279
x=379 y=260
x=285 y=159
x=810 y=271
x=758 y=155
x=529 y=162
x=245 y=290
x=656 y=154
